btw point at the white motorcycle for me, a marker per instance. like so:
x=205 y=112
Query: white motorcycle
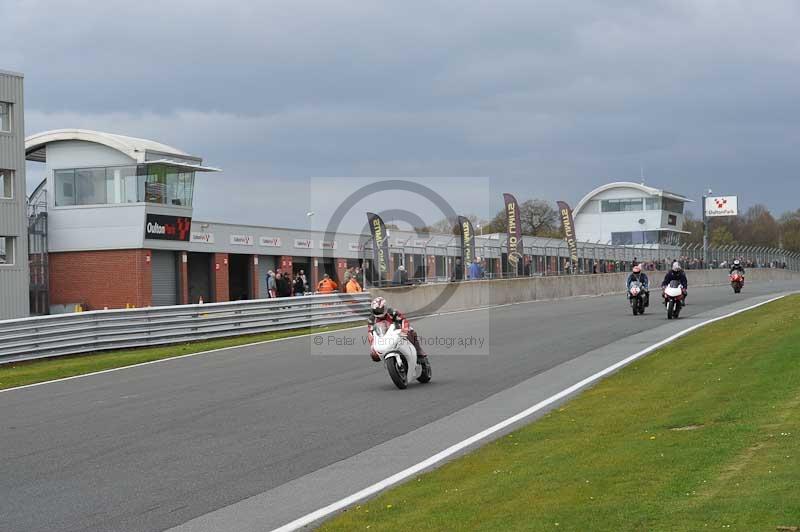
x=636 y=295
x=398 y=353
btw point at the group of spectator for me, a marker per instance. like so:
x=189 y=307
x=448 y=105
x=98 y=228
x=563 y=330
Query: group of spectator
x=280 y=284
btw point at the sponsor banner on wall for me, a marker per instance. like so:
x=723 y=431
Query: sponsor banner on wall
x=270 y=241
x=380 y=245
x=568 y=224
x=722 y=206
x=303 y=243
x=467 y=240
x=202 y=238
x=242 y=240
x=419 y=243
x=515 y=247
x=164 y=227
x=354 y=246
x=327 y=244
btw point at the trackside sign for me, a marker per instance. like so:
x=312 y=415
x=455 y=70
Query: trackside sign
x=162 y=227
x=722 y=206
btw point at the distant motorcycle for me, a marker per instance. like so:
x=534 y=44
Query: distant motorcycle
x=636 y=293
x=673 y=298
x=737 y=281
x=398 y=354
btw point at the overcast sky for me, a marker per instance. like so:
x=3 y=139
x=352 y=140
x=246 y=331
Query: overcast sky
x=544 y=99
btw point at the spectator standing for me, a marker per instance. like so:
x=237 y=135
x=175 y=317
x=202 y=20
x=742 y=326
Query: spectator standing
x=475 y=270
x=400 y=276
x=299 y=286
x=458 y=270
x=352 y=286
x=327 y=285
x=271 y=285
x=283 y=286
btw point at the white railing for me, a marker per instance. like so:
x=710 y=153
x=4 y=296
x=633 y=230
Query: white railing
x=83 y=332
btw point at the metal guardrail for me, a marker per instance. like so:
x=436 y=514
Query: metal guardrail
x=83 y=332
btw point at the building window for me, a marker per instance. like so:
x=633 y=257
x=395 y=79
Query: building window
x=672 y=219
x=634 y=238
x=65 y=187
x=6 y=184
x=652 y=204
x=124 y=184
x=5 y=116
x=672 y=205
x=621 y=205
x=6 y=250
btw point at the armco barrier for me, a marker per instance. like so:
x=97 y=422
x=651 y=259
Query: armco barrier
x=474 y=294
x=65 y=334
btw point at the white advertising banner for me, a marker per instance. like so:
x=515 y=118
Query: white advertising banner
x=270 y=241
x=722 y=206
x=242 y=240
x=303 y=243
x=203 y=238
x=354 y=246
x=327 y=244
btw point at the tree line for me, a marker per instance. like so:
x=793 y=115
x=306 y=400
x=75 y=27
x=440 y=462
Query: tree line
x=755 y=227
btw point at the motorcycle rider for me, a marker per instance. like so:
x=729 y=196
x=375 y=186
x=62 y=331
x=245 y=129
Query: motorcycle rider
x=676 y=274
x=638 y=275
x=382 y=313
x=737 y=267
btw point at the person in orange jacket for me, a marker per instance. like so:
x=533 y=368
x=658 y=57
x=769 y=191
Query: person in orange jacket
x=327 y=285
x=352 y=286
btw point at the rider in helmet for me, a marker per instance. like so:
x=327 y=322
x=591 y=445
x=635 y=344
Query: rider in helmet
x=676 y=274
x=638 y=275
x=380 y=312
x=737 y=266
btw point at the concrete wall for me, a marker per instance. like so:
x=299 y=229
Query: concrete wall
x=431 y=298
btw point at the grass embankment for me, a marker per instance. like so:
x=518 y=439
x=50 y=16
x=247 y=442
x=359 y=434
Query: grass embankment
x=30 y=372
x=703 y=434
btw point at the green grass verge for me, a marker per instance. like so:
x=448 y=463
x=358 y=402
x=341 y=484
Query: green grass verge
x=30 y=372
x=703 y=434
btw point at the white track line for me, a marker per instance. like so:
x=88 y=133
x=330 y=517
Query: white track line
x=453 y=449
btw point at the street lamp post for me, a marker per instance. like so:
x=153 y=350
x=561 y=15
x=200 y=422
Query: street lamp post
x=705 y=230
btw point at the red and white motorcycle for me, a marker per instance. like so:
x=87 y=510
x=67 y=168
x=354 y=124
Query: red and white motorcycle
x=673 y=299
x=737 y=281
x=399 y=355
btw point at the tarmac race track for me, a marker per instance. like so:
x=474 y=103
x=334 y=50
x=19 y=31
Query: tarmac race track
x=241 y=439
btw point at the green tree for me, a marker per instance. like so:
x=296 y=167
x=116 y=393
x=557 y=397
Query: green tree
x=694 y=227
x=536 y=218
x=721 y=236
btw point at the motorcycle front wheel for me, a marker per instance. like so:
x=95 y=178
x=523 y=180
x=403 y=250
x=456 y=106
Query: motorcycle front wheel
x=671 y=309
x=399 y=375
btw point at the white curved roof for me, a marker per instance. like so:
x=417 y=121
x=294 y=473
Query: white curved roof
x=627 y=184
x=133 y=147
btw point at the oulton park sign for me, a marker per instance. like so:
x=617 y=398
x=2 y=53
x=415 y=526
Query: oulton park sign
x=722 y=206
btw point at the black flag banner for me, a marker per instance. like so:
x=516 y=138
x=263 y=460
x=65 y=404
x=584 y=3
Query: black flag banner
x=515 y=247
x=568 y=223
x=380 y=246
x=467 y=240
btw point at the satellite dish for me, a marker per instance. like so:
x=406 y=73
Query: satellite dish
x=642 y=221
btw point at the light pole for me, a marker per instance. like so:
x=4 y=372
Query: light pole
x=705 y=230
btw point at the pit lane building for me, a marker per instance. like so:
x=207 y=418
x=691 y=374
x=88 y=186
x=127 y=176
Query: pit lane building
x=121 y=231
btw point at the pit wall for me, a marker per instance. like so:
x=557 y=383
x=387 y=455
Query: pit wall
x=419 y=299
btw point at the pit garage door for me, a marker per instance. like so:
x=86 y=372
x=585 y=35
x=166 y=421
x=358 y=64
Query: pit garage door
x=164 y=266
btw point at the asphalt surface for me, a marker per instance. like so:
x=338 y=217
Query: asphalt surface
x=155 y=446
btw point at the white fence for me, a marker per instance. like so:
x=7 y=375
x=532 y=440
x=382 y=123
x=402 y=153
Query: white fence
x=65 y=334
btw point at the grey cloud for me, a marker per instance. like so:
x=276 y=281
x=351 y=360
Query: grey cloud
x=549 y=99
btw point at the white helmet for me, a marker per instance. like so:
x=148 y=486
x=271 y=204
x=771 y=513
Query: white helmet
x=378 y=307
x=736 y=262
x=676 y=266
x=401 y=268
